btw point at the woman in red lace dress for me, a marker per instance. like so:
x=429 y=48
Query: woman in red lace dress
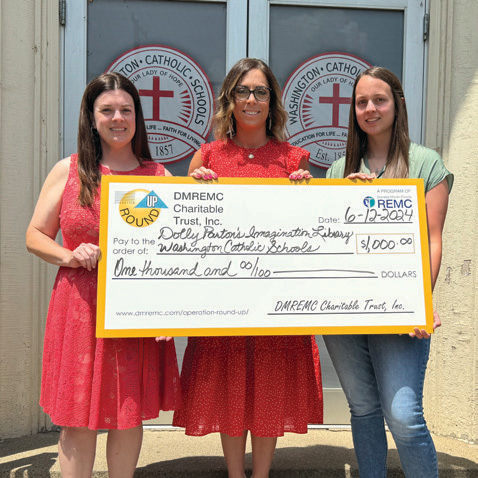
x=88 y=383
x=265 y=385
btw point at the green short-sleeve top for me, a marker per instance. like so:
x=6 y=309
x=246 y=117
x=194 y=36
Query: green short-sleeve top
x=423 y=163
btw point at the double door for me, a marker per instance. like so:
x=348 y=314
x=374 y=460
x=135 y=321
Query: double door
x=332 y=40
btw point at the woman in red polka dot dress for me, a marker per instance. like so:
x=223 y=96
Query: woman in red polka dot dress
x=265 y=385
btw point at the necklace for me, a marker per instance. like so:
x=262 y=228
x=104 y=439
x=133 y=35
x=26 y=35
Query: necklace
x=375 y=170
x=251 y=150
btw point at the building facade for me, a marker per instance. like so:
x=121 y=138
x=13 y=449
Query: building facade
x=46 y=59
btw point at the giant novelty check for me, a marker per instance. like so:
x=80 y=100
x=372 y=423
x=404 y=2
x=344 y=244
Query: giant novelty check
x=262 y=257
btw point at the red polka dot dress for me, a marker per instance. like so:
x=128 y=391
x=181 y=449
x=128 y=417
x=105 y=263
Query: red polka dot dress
x=90 y=382
x=268 y=384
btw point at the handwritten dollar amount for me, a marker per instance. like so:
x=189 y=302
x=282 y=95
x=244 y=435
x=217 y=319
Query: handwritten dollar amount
x=253 y=268
x=385 y=244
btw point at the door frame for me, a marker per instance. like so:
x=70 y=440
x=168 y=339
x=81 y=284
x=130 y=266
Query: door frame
x=247 y=34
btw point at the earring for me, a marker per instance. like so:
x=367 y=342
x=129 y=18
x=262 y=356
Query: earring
x=270 y=122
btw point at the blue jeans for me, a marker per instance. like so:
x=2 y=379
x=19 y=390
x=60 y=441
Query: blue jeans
x=382 y=377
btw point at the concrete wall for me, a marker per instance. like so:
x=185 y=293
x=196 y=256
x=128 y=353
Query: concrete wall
x=451 y=394
x=29 y=146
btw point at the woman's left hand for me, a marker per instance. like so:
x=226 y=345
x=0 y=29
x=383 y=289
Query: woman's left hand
x=163 y=338
x=423 y=334
x=362 y=176
x=204 y=174
x=300 y=174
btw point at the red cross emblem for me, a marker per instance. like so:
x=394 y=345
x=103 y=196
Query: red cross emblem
x=335 y=101
x=156 y=94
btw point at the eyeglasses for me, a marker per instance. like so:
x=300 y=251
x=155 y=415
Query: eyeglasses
x=261 y=93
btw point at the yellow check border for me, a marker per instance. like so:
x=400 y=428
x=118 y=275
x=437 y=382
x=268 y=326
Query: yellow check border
x=101 y=331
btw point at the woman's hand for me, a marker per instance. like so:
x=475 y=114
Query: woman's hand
x=363 y=176
x=302 y=170
x=300 y=174
x=204 y=174
x=85 y=255
x=423 y=334
x=163 y=338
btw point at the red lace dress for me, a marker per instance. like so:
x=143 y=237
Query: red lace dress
x=268 y=385
x=90 y=382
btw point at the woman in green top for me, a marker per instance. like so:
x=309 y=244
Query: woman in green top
x=382 y=375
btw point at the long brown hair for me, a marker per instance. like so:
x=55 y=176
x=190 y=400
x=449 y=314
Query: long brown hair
x=397 y=161
x=89 y=144
x=224 y=121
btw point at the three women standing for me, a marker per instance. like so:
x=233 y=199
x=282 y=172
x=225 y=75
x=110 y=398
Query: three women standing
x=231 y=385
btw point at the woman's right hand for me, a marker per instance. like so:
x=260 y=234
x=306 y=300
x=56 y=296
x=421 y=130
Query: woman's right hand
x=85 y=255
x=363 y=176
x=204 y=174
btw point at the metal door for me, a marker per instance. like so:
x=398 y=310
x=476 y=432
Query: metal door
x=285 y=33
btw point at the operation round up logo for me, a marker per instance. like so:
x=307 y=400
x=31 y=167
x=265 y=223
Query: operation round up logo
x=140 y=207
x=176 y=96
x=317 y=98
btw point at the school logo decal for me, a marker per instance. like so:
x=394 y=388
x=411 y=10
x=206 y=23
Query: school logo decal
x=176 y=96
x=140 y=207
x=317 y=98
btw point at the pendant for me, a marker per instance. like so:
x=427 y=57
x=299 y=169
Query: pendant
x=251 y=156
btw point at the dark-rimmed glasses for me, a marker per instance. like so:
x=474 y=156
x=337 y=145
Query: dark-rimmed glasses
x=261 y=93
